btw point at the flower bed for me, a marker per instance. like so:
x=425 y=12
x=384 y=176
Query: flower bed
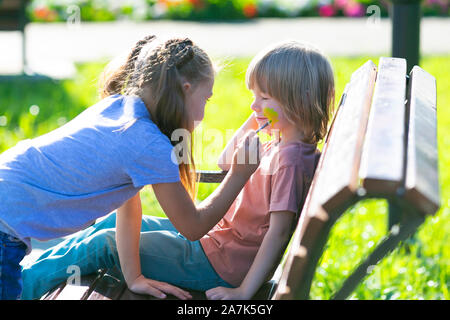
x=141 y=10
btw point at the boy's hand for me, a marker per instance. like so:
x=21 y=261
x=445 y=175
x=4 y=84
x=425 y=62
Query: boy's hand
x=222 y=293
x=247 y=155
x=142 y=285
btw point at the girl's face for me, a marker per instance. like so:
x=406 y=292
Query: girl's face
x=267 y=108
x=196 y=98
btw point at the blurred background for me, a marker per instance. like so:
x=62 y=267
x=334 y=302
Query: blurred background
x=52 y=52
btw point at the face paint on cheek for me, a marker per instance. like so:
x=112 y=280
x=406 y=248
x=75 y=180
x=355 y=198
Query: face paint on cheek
x=271 y=114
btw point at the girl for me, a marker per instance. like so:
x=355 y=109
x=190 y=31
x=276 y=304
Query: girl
x=295 y=83
x=61 y=182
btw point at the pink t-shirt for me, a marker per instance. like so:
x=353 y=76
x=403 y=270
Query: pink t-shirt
x=280 y=183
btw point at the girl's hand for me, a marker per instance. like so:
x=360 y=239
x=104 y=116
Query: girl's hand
x=225 y=159
x=142 y=285
x=222 y=293
x=247 y=155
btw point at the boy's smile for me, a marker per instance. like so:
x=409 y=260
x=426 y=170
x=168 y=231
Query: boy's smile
x=267 y=108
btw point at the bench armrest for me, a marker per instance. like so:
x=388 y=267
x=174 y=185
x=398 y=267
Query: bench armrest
x=205 y=176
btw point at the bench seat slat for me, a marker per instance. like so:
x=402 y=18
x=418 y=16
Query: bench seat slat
x=108 y=287
x=211 y=176
x=383 y=154
x=422 y=181
x=74 y=292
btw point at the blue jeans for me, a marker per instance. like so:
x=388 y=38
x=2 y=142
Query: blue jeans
x=12 y=251
x=165 y=254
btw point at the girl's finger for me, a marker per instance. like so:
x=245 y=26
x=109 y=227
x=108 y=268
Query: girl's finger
x=211 y=294
x=151 y=290
x=177 y=292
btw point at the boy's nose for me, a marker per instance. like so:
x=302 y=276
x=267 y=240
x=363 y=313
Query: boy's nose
x=255 y=107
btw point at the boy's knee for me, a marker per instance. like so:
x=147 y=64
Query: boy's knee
x=107 y=235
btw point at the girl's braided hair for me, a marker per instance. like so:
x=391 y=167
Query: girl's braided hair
x=162 y=67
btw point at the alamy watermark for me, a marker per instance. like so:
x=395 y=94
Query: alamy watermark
x=374 y=12
x=209 y=143
x=74 y=16
x=75 y=275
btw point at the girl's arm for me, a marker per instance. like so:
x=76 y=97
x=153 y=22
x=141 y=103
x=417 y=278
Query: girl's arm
x=194 y=222
x=224 y=161
x=128 y=228
x=266 y=258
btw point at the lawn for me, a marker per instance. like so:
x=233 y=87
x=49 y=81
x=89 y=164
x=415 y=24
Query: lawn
x=419 y=269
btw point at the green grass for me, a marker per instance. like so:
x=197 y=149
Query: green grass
x=419 y=269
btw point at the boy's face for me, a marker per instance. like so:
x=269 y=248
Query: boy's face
x=267 y=108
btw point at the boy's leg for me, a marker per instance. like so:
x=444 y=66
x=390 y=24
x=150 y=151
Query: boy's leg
x=168 y=256
x=59 y=262
x=87 y=250
x=148 y=223
x=12 y=251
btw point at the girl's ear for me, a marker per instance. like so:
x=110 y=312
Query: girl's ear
x=187 y=86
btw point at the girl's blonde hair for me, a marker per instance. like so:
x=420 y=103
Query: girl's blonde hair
x=158 y=69
x=301 y=78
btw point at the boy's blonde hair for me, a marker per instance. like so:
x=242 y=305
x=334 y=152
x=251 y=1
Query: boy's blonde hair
x=301 y=78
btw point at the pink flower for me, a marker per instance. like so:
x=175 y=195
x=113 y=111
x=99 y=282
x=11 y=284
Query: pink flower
x=354 y=9
x=327 y=10
x=340 y=3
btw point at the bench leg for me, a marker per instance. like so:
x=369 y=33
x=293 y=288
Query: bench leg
x=388 y=244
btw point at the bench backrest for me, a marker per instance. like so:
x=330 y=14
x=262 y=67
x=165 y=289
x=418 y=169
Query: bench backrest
x=382 y=143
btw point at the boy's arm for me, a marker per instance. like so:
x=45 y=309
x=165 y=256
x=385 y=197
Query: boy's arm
x=224 y=161
x=268 y=254
x=128 y=229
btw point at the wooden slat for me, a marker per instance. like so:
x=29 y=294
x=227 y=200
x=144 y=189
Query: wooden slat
x=72 y=292
x=108 y=287
x=211 y=176
x=383 y=154
x=52 y=294
x=422 y=181
x=128 y=295
x=295 y=264
x=339 y=179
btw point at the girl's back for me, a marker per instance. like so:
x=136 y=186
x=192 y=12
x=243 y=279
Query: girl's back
x=65 y=176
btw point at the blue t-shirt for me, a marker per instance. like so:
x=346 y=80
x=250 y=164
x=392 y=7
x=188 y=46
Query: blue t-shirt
x=60 y=182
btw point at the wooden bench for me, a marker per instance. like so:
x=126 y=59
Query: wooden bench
x=13 y=18
x=381 y=144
